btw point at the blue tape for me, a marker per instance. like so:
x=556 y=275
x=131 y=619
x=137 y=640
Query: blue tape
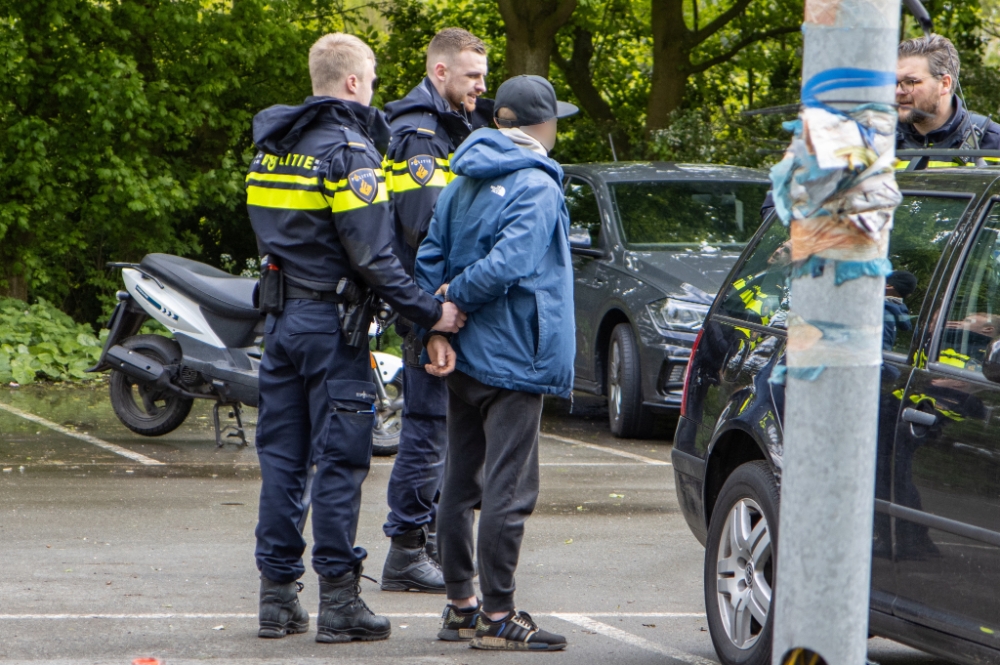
x=844 y=77
x=845 y=270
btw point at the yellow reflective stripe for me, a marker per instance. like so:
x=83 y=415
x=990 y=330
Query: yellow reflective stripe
x=346 y=200
x=404 y=182
x=281 y=178
x=900 y=165
x=953 y=358
x=287 y=199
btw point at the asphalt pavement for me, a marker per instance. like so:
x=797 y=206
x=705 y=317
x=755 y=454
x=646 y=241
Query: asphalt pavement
x=115 y=547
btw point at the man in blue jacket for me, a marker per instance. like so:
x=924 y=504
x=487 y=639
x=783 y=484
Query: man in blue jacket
x=498 y=248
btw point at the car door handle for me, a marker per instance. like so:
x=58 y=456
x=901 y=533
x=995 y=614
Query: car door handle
x=911 y=415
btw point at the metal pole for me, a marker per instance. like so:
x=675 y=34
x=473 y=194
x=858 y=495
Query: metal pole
x=839 y=205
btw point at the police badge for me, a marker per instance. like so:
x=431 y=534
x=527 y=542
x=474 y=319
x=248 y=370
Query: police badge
x=364 y=184
x=421 y=168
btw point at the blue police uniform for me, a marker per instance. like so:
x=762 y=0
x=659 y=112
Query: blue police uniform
x=425 y=134
x=318 y=203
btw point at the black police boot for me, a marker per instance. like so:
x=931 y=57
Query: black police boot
x=280 y=612
x=408 y=568
x=343 y=616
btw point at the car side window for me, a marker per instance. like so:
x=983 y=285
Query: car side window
x=921 y=229
x=973 y=320
x=759 y=293
x=584 y=212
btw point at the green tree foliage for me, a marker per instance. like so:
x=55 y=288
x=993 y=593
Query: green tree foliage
x=126 y=130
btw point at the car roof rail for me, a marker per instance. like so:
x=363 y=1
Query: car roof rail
x=977 y=157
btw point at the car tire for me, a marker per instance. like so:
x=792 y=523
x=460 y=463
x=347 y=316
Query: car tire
x=740 y=566
x=626 y=415
x=142 y=407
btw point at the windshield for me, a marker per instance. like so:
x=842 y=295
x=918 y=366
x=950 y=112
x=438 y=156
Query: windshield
x=693 y=214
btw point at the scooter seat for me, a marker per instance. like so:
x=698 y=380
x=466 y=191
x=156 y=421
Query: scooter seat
x=210 y=287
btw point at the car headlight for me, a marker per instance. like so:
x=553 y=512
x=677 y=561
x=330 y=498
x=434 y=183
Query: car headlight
x=671 y=314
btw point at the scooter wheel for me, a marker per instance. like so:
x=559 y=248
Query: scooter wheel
x=388 y=423
x=144 y=408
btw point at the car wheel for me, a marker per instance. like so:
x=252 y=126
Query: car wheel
x=739 y=566
x=626 y=414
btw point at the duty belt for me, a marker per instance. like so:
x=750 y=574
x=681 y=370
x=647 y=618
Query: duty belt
x=298 y=293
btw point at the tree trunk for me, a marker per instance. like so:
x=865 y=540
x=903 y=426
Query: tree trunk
x=531 y=27
x=670 y=62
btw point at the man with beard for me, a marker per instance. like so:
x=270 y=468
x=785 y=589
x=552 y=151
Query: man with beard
x=930 y=113
x=427 y=127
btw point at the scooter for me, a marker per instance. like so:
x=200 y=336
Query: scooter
x=214 y=354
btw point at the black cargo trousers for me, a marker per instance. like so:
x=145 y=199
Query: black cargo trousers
x=492 y=461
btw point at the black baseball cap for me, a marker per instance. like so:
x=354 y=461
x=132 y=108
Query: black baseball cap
x=532 y=99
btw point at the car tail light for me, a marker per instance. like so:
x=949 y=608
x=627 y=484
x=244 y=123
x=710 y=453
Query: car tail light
x=687 y=372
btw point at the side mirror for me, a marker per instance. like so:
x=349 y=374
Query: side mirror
x=579 y=238
x=991 y=366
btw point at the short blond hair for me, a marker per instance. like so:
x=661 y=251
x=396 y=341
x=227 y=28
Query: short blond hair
x=334 y=57
x=449 y=42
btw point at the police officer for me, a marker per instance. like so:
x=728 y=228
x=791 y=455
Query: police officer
x=931 y=115
x=427 y=126
x=318 y=204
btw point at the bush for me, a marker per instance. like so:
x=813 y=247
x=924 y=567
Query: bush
x=40 y=342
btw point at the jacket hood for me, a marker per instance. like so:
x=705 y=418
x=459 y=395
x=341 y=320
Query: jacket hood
x=278 y=128
x=489 y=154
x=425 y=99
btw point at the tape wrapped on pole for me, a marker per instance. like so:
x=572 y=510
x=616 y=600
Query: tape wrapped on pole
x=835 y=188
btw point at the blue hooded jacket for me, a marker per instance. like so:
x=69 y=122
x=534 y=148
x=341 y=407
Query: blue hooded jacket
x=500 y=239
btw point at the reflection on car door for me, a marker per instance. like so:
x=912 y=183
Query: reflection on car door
x=946 y=475
x=923 y=226
x=589 y=280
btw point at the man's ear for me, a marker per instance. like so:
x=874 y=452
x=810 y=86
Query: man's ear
x=440 y=70
x=950 y=84
x=351 y=83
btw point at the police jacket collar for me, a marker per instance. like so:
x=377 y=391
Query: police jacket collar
x=949 y=135
x=424 y=98
x=278 y=128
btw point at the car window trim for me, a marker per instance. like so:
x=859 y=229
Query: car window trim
x=749 y=325
x=596 y=253
x=957 y=269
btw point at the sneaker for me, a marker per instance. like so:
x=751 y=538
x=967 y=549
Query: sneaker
x=516 y=631
x=459 y=625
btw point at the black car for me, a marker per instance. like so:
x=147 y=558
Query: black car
x=651 y=243
x=936 y=541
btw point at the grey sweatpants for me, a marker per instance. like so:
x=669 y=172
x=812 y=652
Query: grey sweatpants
x=492 y=461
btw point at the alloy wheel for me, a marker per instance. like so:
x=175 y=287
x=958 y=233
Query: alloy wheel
x=614 y=380
x=745 y=573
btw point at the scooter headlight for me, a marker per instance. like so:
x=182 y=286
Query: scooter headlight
x=672 y=314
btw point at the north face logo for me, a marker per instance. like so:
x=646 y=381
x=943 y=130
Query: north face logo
x=498 y=190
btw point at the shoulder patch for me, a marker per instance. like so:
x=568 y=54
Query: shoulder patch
x=421 y=168
x=364 y=183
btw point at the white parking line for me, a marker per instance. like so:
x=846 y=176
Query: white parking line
x=588 y=623
x=550 y=464
x=606 y=449
x=409 y=615
x=118 y=450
